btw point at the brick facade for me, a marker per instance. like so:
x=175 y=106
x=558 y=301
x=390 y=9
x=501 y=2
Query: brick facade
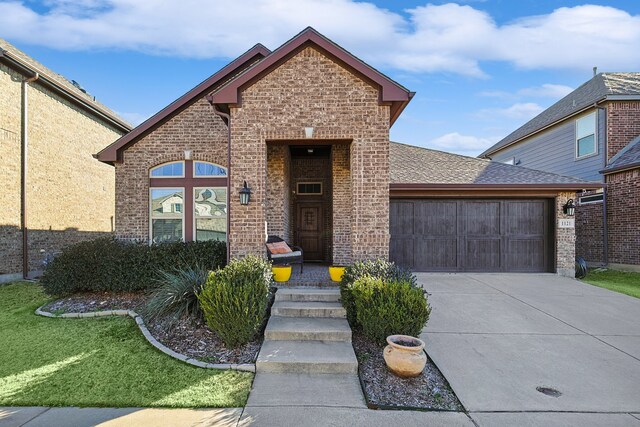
x=311 y=90
x=70 y=195
x=196 y=128
x=279 y=192
x=623 y=215
x=589 y=234
x=623 y=125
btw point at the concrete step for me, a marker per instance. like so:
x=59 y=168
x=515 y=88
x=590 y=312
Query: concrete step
x=307 y=357
x=307 y=329
x=308 y=309
x=293 y=294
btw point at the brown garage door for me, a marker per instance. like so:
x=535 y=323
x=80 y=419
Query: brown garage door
x=472 y=234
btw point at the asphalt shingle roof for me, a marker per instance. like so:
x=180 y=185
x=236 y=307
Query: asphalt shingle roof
x=58 y=79
x=417 y=165
x=596 y=89
x=628 y=157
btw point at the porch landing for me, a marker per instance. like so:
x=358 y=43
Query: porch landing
x=314 y=275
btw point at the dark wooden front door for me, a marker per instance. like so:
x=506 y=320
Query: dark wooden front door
x=310 y=230
x=472 y=235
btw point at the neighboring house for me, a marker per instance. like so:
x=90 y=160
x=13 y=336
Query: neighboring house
x=306 y=127
x=594 y=134
x=53 y=192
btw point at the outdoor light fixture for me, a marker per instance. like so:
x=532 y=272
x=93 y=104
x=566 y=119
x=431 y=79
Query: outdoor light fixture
x=245 y=194
x=187 y=154
x=308 y=132
x=569 y=208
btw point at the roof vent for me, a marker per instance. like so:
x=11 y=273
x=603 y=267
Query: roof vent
x=574 y=102
x=595 y=71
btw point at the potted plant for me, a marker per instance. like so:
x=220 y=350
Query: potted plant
x=281 y=273
x=405 y=355
x=336 y=272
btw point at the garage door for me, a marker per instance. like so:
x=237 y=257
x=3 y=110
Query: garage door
x=472 y=235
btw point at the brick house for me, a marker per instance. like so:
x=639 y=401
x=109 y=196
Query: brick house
x=306 y=127
x=593 y=133
x=54 y=192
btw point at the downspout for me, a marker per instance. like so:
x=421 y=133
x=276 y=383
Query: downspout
x=24 y=151
x=226 y=118
x=605 y=224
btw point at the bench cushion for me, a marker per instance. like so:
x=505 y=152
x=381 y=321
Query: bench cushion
x=292 y=254
x=278 y=248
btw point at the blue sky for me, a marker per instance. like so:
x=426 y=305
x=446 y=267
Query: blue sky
x=480 y=68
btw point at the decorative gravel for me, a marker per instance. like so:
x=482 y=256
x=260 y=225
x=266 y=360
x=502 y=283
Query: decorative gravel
x=383 y=389
x=190 y=338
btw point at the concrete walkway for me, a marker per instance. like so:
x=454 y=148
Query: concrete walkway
x=497 y=338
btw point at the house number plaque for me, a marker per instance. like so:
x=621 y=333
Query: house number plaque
x=566 y=223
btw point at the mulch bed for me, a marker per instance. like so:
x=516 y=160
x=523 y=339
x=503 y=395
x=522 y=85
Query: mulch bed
x=190 y=338
x=383 y=389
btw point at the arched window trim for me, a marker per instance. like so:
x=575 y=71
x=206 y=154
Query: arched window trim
x=164 y=165
x=212 y=164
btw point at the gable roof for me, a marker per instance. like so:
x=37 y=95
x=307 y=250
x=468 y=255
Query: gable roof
x=24 y=64
x=248 y=59
x=627 y=158
x=416 y=167
x=603 y=86
x=391 y=92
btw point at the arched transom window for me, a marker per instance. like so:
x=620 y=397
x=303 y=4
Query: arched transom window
x=188 y=201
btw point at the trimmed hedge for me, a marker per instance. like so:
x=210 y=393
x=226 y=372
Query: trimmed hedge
x=234 y=300
x=389 y=307
x=107 y=264
x=381 y=269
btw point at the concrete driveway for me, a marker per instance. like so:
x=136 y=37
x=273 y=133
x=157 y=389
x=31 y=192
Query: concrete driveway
x=499 y=337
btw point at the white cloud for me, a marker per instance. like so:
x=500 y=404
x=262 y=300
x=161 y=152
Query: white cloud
x=519 y=111
x=448 y=37
x=462 y=144
x=546 y=90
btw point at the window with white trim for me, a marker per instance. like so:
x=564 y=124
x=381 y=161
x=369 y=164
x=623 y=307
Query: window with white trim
x=586 y=141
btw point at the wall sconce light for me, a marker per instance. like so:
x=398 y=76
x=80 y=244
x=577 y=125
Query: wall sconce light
x=569 y=208
x=308 y=132
x=187 y=154
x=245 y=194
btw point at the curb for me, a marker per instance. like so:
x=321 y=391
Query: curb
x=246 y=367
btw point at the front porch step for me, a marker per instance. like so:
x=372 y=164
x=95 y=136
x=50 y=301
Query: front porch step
x=307 y=357
x=318 y=295
x=308 y=309
x=307 y=329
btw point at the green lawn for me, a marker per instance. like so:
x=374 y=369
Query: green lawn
x=618 y=281
x=97 y=362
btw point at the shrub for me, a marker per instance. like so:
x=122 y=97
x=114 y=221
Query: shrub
x=388 y=307
x=377 y=269
x=234 y=300
x=107 y=264
x=176 y=296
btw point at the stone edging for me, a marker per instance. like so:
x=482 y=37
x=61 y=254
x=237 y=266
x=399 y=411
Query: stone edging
x=248 y=367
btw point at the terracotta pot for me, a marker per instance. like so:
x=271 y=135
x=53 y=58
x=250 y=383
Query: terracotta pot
x=405 y=361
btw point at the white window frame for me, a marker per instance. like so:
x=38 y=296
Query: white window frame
x=193 y=211
x=309 y=194
x=150 y=201
x=226 y=171
x=595 y=135
x=165 y=164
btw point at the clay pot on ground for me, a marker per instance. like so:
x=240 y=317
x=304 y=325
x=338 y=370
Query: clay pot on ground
x=405 y=355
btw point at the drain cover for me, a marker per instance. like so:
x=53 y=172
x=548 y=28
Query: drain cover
x=548 y=391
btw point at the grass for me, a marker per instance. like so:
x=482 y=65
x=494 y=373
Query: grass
x=97 y=362
x=618 y=281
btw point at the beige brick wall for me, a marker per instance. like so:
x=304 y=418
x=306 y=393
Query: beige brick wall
x=311 y=90
x=565 y=239
x=70 y=194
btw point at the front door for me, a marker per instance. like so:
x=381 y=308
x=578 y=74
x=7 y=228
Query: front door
x=310 y=230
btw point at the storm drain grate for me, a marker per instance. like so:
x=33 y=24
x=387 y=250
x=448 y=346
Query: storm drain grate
x=548 y=391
